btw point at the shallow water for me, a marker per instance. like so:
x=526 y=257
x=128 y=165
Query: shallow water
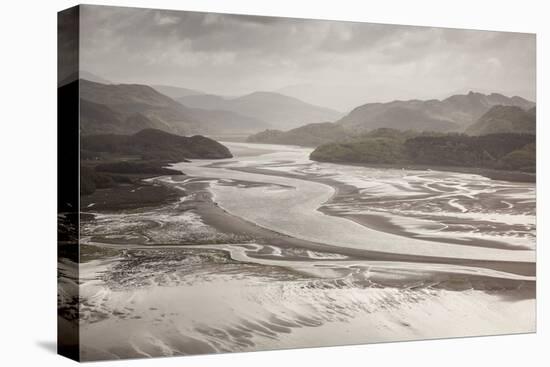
x=431 y=204
x=159 y=281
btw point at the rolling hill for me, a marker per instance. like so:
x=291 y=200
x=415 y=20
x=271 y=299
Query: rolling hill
x=128 y=99
x=310 y=135
x=508 y=151
x=505 y=119
x=97 y=118
x=118 y=163
x=153 y=144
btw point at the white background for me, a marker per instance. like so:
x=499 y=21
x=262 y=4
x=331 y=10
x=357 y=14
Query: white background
x=28 y=179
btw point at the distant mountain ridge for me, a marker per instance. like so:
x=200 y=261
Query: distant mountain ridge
x=83 y=74
x=497 y=119
x=451 y=114
x=277 y=110
x=96 y=118
x=184 y=111
x=128 y=108
x=161 y=111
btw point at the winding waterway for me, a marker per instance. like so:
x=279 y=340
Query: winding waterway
x=307 y=262
x=291 y=205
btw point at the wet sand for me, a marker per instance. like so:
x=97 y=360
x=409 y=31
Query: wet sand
x=494 y=174
x=128 y=197
x=188 y=277
x=377 y=222
x=225 y=222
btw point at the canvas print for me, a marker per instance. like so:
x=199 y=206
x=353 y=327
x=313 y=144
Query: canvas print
x=232 y=183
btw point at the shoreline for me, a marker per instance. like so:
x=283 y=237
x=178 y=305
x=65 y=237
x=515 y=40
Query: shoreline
x=491 y=173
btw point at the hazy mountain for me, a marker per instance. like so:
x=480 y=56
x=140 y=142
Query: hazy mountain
x=83 y=74
x=97 y=118
x=278 y=110
x=308 y=135
x=206 y=101
x=451 y=114
x=156 y=144
x=337 y=96
x=129 y=99
x=505 y=119
x=176 y=92
x=128 y=108
x=222 y=122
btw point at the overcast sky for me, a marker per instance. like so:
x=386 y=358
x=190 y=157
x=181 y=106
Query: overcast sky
x=335 y=64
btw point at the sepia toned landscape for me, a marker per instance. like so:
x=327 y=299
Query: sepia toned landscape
x=252 y=183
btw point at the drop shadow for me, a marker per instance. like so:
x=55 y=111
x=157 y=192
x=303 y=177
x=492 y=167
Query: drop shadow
x=48 y=345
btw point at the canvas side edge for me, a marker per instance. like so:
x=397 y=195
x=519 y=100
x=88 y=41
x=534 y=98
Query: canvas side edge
x=68 y=338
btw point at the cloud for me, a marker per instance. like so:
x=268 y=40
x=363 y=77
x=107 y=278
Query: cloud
x=166 y=19
x=235 y=54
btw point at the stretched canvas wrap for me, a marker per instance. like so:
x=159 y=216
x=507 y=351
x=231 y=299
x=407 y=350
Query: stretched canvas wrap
x=233 y=183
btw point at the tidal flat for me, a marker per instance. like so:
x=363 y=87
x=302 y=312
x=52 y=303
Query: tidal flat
x=270 y=250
